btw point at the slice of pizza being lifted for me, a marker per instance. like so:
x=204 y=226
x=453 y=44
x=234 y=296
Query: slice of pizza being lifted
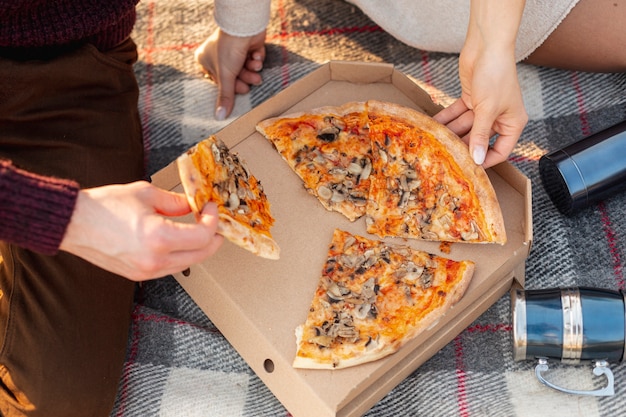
x=210 y=172
x=373 y=298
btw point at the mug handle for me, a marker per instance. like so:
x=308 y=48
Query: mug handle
x=600 y=367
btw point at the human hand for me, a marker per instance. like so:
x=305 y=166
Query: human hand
x=125 y=229
x=491 y=103
x=233 y=63
x=491 y=99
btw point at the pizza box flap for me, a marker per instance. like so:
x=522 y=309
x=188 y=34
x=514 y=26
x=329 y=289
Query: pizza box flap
x=257 y=303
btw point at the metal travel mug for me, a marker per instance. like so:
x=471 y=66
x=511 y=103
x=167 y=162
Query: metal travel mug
x=571 y=325
x=586 y=171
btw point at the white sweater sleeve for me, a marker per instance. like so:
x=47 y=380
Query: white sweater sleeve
x=242 y=17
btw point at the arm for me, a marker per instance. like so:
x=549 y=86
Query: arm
x=34 y=210
x=122 y=228
x=491 y=100
x=233 y=55
x=126 y=229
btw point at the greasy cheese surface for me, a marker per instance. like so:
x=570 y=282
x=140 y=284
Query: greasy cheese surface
x=372 y=298
x=331 y=154
x=226 y=181
x=418 y=189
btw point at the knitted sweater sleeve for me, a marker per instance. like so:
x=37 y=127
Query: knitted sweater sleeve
x=242 y=17
x=34 y=210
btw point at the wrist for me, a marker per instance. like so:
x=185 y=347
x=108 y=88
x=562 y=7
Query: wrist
x=242 y=18
x=494 y=24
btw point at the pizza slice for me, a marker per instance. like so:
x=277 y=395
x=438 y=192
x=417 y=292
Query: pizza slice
x=424 y=184
x=210 y=172
x=329 y=149
x=374 y=297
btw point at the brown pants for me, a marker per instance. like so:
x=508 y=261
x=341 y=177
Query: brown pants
x=64 y=322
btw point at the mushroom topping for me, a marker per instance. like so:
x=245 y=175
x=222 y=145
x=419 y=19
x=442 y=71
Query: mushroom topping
x=371 y=343
x=337 y=196
x=233 y=201
x=358 y=200
x=217 y=154
x=362 y=311
x=473 y=233
x=369 y=289
x=337 y=292
x=322 y=340
x=354 y=168
x=341 y=326
x=383 y=155
x=367 y=169
x=328 y=133
x=413 y=272
x=404 y=199
x=324 y=192
x=350 y=240
x=426 y=280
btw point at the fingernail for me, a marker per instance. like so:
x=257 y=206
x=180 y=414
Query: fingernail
x=478 y=154
x=220 y=113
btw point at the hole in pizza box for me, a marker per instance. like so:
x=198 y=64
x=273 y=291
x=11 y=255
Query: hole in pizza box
x=268 y=365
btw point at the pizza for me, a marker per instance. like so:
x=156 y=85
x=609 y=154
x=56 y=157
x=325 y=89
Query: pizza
x=424 y=183
x=373 y=298
x=407 y=174
x=328 y=148
x=210 y=172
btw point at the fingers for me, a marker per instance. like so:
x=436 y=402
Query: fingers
x=226 y=82
x=240 y=84
x=500 y=151
x=255 y=59
x=476 y=129
x=180 y=236
x=452 y=112
x=459 y=118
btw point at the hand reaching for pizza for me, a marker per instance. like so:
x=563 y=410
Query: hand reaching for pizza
x=484 y=110
x=491 y=99
x=233 y=63
x=125 y=229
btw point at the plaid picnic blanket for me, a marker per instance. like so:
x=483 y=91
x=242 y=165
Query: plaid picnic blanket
x=179 y=364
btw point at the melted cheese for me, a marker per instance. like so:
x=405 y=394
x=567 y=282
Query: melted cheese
x=403 y=302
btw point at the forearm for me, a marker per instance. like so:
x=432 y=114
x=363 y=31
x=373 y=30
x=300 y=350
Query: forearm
x=34 y=210
x=494 y=24
x=242 y=17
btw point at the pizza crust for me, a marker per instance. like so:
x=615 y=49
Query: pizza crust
x=361 y=314
x=457 y=149
x=381 y=351
x=199 y=190
x=489 y=223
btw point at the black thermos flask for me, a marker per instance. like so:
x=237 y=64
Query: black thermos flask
x=586 y=171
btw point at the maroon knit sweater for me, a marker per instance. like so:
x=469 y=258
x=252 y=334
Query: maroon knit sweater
x=35 y=210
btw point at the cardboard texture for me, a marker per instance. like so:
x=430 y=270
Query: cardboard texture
x=258 y=303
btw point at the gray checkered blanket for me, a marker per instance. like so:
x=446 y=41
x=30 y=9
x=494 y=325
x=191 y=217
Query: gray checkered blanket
x=179 y=364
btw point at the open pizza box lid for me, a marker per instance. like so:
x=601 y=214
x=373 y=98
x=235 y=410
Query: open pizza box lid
x=257 y=303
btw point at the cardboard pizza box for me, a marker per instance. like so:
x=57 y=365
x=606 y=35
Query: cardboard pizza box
x=257 y=303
